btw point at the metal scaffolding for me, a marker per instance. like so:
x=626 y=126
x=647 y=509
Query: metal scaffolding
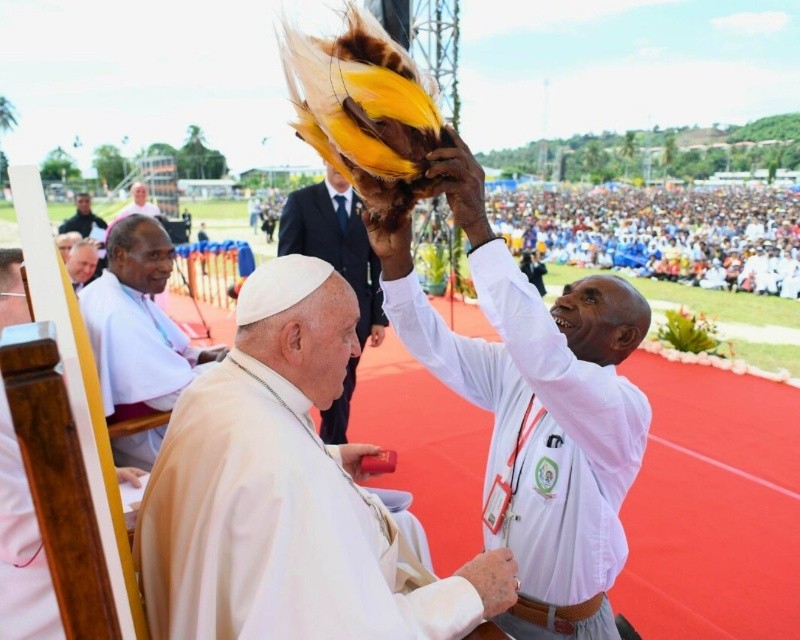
x=434 y=47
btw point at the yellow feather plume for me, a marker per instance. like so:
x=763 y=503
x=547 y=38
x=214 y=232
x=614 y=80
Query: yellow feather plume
x=363 y=105
x=367 y=152
x=384 y=94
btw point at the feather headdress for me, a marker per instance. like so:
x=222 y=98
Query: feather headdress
x=362 y=103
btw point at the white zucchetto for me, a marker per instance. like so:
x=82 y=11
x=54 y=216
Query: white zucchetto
x=279 y=284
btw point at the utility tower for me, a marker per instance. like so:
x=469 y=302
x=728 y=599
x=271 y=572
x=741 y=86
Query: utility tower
x=434 y=36
x=543 y=141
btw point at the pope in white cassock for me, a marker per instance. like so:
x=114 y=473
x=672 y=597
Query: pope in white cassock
x=252 y=528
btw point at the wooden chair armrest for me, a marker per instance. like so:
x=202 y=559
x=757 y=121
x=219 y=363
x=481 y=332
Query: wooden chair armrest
x=135 y=425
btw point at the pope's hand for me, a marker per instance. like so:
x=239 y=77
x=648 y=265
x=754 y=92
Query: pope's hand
x=494 y=576
x=351 y=458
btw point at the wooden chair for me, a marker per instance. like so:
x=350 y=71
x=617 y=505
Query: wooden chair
x=62 y=435
x=59 y=485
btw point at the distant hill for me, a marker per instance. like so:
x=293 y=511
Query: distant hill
x=785 y=127
x=687 y=152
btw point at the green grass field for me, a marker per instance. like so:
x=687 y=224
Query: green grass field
x=229 y=220
x=725 y=306
x=216 y=210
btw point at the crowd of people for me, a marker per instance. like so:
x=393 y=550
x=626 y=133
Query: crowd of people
x=734 y=239
x=263 y=214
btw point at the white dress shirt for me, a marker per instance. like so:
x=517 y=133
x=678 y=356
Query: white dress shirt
x=569 y=540
x=348 y=197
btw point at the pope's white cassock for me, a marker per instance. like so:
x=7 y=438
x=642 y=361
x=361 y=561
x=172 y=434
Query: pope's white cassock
x=28 y=607
x=249 y=530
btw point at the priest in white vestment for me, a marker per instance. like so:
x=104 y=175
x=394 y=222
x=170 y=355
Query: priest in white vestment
x=143 y=358
x=251 y=527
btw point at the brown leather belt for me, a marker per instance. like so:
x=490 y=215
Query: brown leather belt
x=562 y=617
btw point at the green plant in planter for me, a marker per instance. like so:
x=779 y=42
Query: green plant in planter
x=434 y=266
x=687 y=332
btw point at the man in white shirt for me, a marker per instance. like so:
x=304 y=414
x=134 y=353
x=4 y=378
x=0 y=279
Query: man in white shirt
x=140 y=203
x=714 y=276
x=791 y=282
x=254 y=209
x=251 y=527
x=569 y=432
x=758 y=268
x=143 y=358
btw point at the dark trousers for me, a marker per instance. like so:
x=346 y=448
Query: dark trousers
x=333 y=429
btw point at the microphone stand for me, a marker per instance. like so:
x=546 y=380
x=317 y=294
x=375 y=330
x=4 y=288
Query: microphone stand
x=194 y=301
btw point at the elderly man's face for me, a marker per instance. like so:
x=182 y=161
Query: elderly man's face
x=139 y=192
x=82 y=263
x=333 y=341
x=588 y=312
x=148 y=265
x=64 y=245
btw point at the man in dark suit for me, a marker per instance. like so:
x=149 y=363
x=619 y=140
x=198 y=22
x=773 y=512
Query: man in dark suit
x=324 y=221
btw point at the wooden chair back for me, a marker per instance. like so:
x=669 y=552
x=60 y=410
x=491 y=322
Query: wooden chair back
x=51 y=298
x=59 y=485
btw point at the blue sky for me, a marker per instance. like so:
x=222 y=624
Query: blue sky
x=101 y=71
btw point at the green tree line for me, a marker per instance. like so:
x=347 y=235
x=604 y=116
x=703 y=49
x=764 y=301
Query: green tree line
x=688 y=153
x=195 y=159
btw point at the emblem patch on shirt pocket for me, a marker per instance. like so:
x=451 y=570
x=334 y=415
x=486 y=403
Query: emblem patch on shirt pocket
x=546 y=477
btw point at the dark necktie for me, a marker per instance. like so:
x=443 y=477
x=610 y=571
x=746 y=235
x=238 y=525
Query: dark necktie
x=341 y=212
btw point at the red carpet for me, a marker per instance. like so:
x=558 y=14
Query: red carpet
x=712 y=520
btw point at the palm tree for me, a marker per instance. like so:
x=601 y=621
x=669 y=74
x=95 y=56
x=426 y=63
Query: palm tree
x=669 y=153
x=8 y=120
x=628 y=149
x=593 y=161
x=195 y=145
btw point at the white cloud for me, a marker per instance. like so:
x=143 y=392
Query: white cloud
x=752 y=24
x=624 y=95
x=481 y=20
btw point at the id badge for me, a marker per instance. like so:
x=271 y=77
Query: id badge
x=496 y=505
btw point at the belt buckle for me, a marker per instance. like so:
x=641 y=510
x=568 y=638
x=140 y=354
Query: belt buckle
x=564 y=627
